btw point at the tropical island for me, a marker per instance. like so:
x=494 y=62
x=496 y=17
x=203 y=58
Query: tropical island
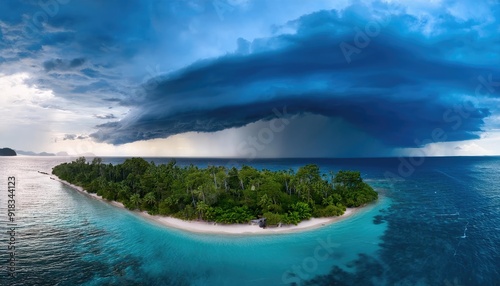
x=7 y=152
x=218 y=194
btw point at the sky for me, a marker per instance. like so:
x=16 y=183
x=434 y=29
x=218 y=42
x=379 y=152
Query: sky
x=243 y=78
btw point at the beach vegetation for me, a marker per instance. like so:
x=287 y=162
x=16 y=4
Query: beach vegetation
x=219 y=194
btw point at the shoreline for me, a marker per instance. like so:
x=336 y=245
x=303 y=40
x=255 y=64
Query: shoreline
x=226 y=229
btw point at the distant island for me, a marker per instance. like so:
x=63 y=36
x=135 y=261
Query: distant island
x=7 y=152
x=218 y=194
x=61 y=153
x=30 y=153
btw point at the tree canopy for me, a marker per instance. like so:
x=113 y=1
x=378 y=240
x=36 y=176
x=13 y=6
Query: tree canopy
x=220 y=194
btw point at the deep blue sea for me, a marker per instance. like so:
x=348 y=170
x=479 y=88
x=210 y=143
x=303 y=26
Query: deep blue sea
x=437 y=222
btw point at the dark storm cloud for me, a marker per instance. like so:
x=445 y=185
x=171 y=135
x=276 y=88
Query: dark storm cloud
x=105 y=116
x=396 y=85
x=87 y=39
x=69 y=136
x=396 y=81
x=74 y=137
x=63 y=65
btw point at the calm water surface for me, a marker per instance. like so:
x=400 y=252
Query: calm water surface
x=438 y=226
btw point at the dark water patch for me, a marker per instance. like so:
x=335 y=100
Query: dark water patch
x=440 y=233
x=442 y=228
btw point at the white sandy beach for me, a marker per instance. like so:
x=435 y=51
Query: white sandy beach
x=235 y=229
x=205 y=227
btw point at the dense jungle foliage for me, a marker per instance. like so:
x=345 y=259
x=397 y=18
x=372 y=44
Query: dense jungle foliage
x=220 y=194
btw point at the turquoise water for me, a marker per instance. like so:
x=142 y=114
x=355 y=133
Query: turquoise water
x=438 y=227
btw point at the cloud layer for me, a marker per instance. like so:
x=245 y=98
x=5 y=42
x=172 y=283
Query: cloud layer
x=381 y=74
x=372 y=74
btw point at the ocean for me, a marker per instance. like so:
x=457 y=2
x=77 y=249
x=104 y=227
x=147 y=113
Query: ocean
x=437 y=222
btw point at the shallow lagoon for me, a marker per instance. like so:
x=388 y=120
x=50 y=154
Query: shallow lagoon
x=412 y=236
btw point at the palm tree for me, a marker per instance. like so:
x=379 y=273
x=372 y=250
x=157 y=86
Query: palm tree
x=123 y=192
x=150 y=199
x=265 y=203
x=201 y=208
x=135 y=200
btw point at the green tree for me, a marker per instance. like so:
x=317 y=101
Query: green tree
x=303 y=210
x=348 y=179
x=135 y=201
x=150 y=199
x=202 y=208
x=273 y=219
x=220 y=194
x=265 y=203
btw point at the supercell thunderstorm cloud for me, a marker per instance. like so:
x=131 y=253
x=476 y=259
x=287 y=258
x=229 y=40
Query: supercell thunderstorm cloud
x=392 y=74
x=400 y=87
